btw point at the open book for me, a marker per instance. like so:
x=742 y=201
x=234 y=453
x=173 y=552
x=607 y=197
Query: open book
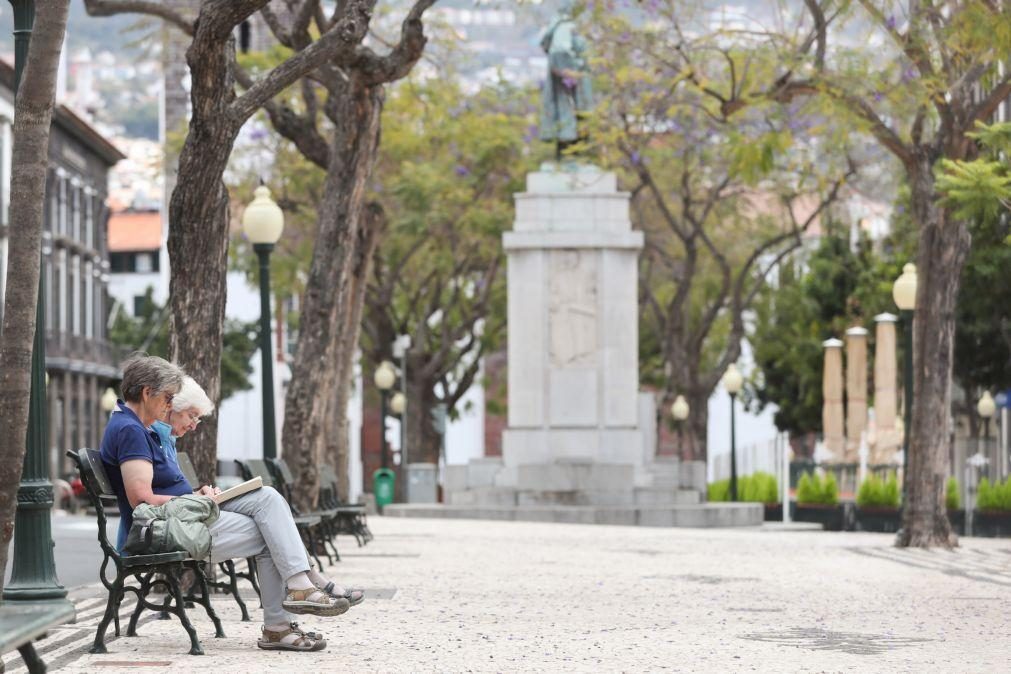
x=238 y=490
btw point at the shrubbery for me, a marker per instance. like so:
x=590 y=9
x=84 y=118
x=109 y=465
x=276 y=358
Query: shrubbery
x=756 y=488
x=995 y=496
x=952 y=500
x=877 y=493
x=817 y=489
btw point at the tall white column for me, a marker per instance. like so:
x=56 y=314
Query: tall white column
x=832 y=399
x=885 y=395
x=856 y=391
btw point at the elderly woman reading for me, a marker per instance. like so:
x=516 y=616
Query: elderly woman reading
x=159 y=404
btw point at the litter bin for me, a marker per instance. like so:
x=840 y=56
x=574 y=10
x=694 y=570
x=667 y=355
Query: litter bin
x=382 y=486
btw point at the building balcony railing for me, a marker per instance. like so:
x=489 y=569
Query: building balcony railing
x=64 y=350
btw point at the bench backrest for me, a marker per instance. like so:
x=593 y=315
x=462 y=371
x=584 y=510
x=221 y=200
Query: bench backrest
x=251 y=468
x=187 y=469
x=96 y=483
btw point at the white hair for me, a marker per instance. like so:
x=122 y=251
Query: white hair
x=192 y=397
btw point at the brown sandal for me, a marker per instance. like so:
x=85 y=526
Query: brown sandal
x=274 y=641
x=299 y=601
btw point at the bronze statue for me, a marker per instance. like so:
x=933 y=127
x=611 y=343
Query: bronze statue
x=567 y=94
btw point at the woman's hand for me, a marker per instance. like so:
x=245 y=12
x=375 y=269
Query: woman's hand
x=208 y=490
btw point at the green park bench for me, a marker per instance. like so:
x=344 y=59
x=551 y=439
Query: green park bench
x=21 y=623
x=150 y=571
x=310 y=526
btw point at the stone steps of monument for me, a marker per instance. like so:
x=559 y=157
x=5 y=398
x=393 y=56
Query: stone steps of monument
x=701 y=515
x=666 y=496
x=482 y=496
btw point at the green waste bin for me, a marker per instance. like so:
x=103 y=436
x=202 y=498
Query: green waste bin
x=382 y=486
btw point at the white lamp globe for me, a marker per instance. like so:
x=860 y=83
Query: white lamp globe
x=732 y=380
x=108 y=400
x=385 y=376
x=263 y=220
x=986 y=406
x=679 y=410
x=904 y=289
x=397 y=403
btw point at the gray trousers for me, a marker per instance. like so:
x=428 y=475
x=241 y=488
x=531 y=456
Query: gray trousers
x=259 y=524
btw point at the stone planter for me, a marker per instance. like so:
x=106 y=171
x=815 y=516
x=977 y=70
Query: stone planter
x=838 y=517
x=773 y=512
x=991 y=523
x=957 y=520
x=878 y=518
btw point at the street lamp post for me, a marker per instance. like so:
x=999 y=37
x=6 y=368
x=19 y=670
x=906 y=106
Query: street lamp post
x=398 y=405
x=680 y=410
x=904 y=294
x=33 y=573
x=263 y=223
x=986 y=408
x=384 y=379
x=733 y=381
x=400 y=347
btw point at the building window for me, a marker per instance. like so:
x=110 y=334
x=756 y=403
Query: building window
x=143 y=263
x=89 y=221
x=139 y=305
x=62 y=225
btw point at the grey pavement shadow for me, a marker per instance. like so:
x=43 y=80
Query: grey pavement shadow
x=818 y=639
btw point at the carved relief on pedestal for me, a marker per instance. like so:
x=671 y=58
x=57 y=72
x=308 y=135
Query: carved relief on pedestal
x=572 y=308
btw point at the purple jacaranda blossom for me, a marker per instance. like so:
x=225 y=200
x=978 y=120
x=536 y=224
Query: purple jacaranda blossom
x=569 y=82
x=900 y=209
x=890 y=22
x=634 y=158
x=878 y=96
x=258 y=133
x=624 y=37
x=461 y=170
x=909 y=74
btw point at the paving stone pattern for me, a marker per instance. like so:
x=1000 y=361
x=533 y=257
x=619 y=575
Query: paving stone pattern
x=519 y=597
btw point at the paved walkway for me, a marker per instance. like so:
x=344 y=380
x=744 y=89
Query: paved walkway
x=505 y=596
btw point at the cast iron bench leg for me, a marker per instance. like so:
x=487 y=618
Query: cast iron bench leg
x=31 y=659
x=205 y=600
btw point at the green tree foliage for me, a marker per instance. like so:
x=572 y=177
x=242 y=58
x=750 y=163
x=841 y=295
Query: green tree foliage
x=449 y=165
x=149 y=332
x=818 y=296
x=721 y=200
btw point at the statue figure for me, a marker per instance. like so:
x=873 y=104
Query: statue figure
x=567 y=94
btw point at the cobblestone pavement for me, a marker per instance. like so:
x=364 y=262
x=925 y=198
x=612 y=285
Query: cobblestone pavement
x=453 y=595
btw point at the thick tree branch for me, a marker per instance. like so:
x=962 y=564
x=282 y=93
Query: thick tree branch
x=157 y=9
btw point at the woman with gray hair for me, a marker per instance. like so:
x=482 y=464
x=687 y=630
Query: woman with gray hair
x=257 y=524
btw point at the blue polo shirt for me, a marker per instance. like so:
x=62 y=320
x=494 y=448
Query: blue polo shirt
x=127 y=439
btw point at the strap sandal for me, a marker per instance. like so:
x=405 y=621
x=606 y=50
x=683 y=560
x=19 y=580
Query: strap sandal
x=291 y=639
x=354 y=595
x=314 y=602
x=306 y=633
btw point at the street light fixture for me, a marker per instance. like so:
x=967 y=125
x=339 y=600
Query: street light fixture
x=109 y=399
x=986 y=408
x=384 y=378
x=904 y=294
x=733 y=381
x=679 y=410
x=263 y=223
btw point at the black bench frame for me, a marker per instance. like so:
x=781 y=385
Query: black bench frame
x=33 y=620
x=150 y=571
x=308 y=525
x=231 y=586
x=351 y=516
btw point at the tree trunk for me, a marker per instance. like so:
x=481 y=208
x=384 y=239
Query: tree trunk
x=423 y=440
x=943 y=248
x=33 y=112
x=694 y=435
x=330 y=283
x=338 y=449
x=198 y=239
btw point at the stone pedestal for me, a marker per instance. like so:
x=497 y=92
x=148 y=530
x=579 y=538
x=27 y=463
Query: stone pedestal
x=887 y=440
x=573 y=434
x=856 y=391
